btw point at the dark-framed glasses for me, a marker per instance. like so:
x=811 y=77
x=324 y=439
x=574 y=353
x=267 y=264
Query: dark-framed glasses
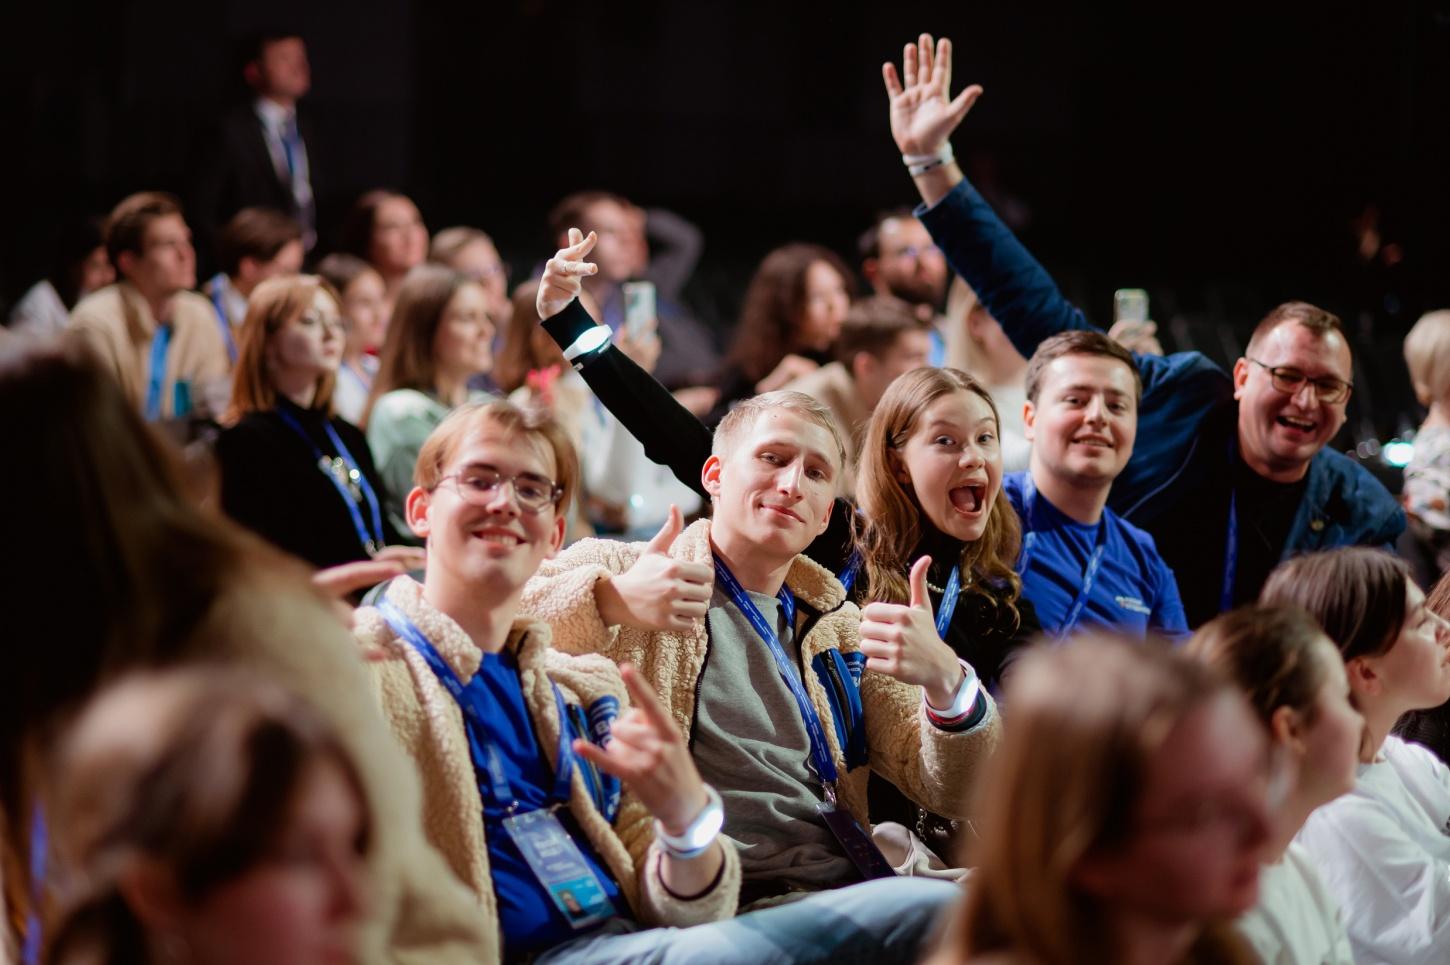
x=477 y=485
x=1289 y=380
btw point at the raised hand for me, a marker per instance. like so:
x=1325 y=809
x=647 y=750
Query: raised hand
x=658 y=592
x=902 y=642
x=647 y=752
x=564 y=274
x=923 y=114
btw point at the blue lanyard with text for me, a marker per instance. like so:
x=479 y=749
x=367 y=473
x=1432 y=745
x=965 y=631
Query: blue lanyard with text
x=217 y=290
x=469 y=704
x=821 y=761
x=156 y=375
x=39 y=854
x=1090 y=572
x=1231 y=546
x=948 y=600
x=371 y=541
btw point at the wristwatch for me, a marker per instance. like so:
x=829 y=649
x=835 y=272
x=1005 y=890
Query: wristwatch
x=702 y=832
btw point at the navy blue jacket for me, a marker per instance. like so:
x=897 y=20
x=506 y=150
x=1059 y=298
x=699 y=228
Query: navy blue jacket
x=1343 y=504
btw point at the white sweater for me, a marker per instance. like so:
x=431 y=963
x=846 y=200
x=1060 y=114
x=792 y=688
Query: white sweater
x=1383 y=851
x=1296 y=922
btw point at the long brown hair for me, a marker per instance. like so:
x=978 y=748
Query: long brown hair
x=1269 y=652
x=1087 y=721
x=889 y=524
x=119 y=568
x=275 y=303
x=526 y=345
x=203 y=790
x=406 y=361
x=774 y=303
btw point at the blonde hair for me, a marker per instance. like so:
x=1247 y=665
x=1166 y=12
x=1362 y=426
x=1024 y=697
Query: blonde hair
x=539 y=425
x=449 y=242
x=889 y=525
x=274 y=303
x=1427 y=356
x=739 y=419
x=1087 y=720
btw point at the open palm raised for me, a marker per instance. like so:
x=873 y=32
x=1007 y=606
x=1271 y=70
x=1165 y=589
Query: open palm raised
x=923 y=115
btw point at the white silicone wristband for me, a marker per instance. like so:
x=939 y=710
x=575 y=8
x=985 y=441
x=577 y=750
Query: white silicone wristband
x=701 y=833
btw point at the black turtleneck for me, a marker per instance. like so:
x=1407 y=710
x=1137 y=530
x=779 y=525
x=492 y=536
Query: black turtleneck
x=271 y=484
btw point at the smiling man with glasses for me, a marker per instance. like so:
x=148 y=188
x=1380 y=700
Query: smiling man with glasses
x=1230 y=474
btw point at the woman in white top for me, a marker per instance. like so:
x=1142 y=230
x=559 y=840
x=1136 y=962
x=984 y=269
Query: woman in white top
x=78 y=267
x=364 y=320
x=1296 y=683
x=1383 y=850
x=439 y=339
x=1123 y=819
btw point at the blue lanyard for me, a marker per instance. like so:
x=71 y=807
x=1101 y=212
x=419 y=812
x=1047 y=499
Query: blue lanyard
x=1090 y=572
x=470 y=703
x=218 y=285
x=39 y=843
x=160 y=346
x=948 y=600
x=1230 y=555
x=371 y=541
x=821 y=760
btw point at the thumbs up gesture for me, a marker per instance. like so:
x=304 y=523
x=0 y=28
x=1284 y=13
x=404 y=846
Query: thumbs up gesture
x=902 y=642
x=658 y=592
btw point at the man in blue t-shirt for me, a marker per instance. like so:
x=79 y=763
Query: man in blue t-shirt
x=1081 y=562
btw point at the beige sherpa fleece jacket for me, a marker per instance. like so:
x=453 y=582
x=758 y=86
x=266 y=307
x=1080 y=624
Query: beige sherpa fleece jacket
x=933 y=767
x=429 y=723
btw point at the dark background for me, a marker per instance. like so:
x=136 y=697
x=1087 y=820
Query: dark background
x=1214 y=154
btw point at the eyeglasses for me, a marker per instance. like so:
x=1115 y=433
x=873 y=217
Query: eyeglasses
x=477 y=486
x=1288 y=381
x=914 y=252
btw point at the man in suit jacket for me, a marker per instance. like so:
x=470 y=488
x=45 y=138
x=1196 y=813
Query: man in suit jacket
x=263 y=153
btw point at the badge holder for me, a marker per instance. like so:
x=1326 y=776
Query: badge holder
x=854 y=840
x=560 y=867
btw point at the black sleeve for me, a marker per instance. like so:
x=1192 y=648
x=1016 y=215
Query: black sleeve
x=670 y=433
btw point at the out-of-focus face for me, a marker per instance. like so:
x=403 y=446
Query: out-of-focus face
x=1201 y=824
x=287 y=261
x=824 y=308
x=911 y=350
x=1415 y=671
x=621 y=252
x=282 y=69
x=463 y=344
x=303 y=903
x=484 y=535
x=480 y=260
x=95 y=272
x=1084 y=421
x=1280 y=432
x=167 y=262
x=400 y=240
x=774 y=489
x=364 y=312
x=909 y=264
x=952 y=464
x=310 y=345
x=1333 y=737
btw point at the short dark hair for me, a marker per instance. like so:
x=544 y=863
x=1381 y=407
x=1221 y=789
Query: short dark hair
x=873 y=325
x=569 y=212
x=869 y=244
x=254 y=44
x=1079 y=341
x=1312 y=317
x=1356 y=593
x=256 y=233
x=126 y=226
x=341 y=269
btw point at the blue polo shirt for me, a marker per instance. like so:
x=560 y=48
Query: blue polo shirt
x=1131 y=589
x=528 y=918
